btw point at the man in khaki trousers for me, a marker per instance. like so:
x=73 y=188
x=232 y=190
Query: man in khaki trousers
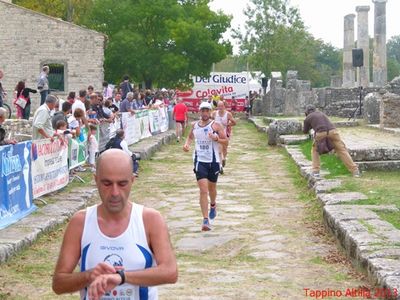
x=323 y=127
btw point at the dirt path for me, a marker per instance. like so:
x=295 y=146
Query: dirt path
x=267 y=241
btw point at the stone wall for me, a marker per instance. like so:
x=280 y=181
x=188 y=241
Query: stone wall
x=21 y=130
x=29 y=39
x=390 y=111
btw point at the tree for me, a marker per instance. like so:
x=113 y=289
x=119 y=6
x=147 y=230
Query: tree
x=160 y=41
x=393 y=57
x=275 y=39
x=68 y=10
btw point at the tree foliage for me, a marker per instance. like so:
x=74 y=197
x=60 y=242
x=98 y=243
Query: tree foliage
x=160 y=41
x=393 y=57
x=276 y=39
x=68 y=10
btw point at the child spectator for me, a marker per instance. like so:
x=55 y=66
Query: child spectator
x=93 y=147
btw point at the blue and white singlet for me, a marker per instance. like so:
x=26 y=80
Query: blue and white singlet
x=128 y=250
x=206 y=149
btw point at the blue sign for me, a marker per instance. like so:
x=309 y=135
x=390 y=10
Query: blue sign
x=15 y=183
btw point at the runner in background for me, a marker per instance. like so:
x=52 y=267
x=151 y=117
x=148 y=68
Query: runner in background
x=225 y=118
x=207 y=134
x=179 y=114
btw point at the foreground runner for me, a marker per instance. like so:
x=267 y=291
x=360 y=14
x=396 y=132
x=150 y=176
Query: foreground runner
x=123 y=248
x=225 y=118
x=207 y=135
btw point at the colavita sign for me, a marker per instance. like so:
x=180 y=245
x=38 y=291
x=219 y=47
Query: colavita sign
x=218 y=84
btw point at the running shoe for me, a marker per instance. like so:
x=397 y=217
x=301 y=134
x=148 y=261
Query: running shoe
x=221 y=170
x=213 y=212
x=206 y=225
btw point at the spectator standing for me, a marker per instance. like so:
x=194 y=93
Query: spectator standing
x=117 y=100
x=126 y=87
x=3 y=93
x=93 y=147
x=43 y=84
x=23 y=92
x=41 y=125
x=71 y=97
x=3 y=140
x=80 y=102
x=128 y=104
x=61 y=115
x=107 y=91
x=233 y=105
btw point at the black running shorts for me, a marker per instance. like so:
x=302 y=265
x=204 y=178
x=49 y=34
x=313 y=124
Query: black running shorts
x=208 y=171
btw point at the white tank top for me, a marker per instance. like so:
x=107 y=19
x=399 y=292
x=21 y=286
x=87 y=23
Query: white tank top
x=206 y=149
x=222 y=120
x=128 y=250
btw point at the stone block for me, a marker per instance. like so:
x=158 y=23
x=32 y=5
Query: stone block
x=371 y=111
x=390 y=111
x=338 y=198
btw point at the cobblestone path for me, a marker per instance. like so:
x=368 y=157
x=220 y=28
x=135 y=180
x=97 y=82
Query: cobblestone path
x=267 y=241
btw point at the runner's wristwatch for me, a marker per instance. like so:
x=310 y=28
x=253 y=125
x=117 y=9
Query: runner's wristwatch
x=122 y=274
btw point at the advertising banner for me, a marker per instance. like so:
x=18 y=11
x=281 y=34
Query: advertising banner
x=154 y=120
x=15 y=183
x=77 y=152
x=218 y=84
x=136 y=127
x=49 y=166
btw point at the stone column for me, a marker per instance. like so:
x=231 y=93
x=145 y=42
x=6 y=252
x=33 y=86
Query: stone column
x=348 y=45
x=380 y=63
x=363 y=43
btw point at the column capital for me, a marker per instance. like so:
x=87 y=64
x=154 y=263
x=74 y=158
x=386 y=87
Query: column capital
x=350 y=16
x=379 y=1
x=362 y=8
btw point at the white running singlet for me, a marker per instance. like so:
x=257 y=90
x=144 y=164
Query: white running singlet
x=222 y=120
x=128 y=250
x=206 y=149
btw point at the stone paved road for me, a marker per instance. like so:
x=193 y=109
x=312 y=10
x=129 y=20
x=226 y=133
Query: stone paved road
x=263 y=244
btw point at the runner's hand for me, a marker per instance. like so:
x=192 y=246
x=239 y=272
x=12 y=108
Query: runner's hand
x=103 y=284
x=213 y=136
x=100 y=269
x=186 y=148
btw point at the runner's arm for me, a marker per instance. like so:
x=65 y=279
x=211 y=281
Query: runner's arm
x=166 y=270
x=65 y=280
x=189 y=139
x=231 y=120
x=222 y=139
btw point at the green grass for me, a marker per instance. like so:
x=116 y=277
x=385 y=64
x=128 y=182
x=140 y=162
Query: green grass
x=328 y=161
x=391 y=217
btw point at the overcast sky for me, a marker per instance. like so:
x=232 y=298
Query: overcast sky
x=323 y=18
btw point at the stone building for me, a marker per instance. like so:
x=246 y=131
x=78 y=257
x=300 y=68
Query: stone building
x=29 y=40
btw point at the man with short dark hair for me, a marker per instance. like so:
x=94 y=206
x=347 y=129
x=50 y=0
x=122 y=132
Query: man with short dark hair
x=121 y=246
x=125 y=87
x=323 y=127
x=61 y=115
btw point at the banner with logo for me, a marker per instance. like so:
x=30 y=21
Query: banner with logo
x=154 y=121
x=218 y=84
x=136 y=127
x=15 y=183
x=49 y=166
x=129 y=125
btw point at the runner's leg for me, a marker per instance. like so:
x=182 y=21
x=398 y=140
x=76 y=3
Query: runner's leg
x=203 y=186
